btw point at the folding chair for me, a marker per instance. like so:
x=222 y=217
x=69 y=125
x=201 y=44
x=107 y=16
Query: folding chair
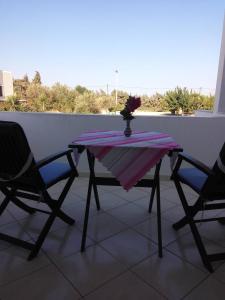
x=209 y=184
x=22 y=177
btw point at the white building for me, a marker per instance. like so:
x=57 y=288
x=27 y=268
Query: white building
x=6 y=85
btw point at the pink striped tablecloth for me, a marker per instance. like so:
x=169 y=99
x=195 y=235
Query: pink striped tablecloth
x=127 y=158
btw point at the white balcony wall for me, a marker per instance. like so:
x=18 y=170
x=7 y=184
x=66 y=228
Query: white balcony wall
x=48 y=133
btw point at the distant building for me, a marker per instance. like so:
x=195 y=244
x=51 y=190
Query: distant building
x=6 y=85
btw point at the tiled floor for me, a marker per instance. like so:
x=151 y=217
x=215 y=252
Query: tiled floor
x=121 y=259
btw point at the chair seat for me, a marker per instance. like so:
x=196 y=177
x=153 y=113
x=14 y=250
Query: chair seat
x=192 y=177
x=54 y=172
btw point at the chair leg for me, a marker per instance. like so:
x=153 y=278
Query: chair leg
x=60 y=214
x=4 y=204
x=10 y=197
x=23 y=206
x=193 y=211
x=55 y=211
x=42 y=236
x=194 y=230
x=64 y=217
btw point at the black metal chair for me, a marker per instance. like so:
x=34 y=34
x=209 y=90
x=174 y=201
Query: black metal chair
x=22 y=177
x=209 y=184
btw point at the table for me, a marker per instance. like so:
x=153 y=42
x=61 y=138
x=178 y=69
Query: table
x=128 y=159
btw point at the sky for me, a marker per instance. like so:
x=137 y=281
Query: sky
x=154 y=45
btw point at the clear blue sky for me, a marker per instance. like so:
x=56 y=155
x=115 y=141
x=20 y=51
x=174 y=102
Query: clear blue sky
x=160 y=43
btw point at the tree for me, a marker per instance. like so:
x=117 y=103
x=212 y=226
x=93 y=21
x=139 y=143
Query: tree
x=21 y=86
x=26 y=79
x=13 y=103
x=178 y=99
x=37 y=78
x=81 y=89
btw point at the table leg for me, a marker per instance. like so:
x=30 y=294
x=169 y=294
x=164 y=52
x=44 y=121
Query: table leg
x=91 y=184
x=92 y=174
x=158 y=208
x=153 y=188
x=154 y=185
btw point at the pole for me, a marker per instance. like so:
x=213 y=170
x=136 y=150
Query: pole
x=116 y=86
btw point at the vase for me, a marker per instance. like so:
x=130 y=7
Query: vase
x=127 y=132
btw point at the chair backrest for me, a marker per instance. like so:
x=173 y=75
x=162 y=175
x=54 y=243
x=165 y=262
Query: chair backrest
x=215 y=184
x=16 y=159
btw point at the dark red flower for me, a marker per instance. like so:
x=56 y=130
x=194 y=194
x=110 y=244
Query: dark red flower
x=130 y=106
x=133 y=103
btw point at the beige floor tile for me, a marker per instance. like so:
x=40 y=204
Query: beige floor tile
x=63 y=242
x=131 y=195
x=173 y=214
x=220 y=272
x=209 y=289
x=19 y=213
x=130 y=214
x=186 y=249
x=165 y=204
x=90 y=269
x=81 y=190
x=103 y=226
x=129 y=247
x=126 y=286
x=99 y=272
x=166 y=184
x=76 y=210
x=14 y=264
x=15 y=230
x=171 y=194
x=47 y=283
x=213 y=231
x=34 y=224
x=109 y=200
x=149 y=229
x=6 y=218
x=170 y=275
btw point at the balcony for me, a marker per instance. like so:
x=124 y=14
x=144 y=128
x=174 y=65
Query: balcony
x=121 y=260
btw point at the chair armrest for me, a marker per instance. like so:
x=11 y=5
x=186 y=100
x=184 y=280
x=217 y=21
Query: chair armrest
x=194 y=162
x=53 y=157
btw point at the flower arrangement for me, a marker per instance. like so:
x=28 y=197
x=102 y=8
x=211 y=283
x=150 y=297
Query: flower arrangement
x=130 y=106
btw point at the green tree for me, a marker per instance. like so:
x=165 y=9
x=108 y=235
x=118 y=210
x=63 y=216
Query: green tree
x=26 y=79
x=177 y=99
x=81 y=89
x=13 y=103
x=154 y=102
x=21 y=86
x=37 y=78
x=198 y=101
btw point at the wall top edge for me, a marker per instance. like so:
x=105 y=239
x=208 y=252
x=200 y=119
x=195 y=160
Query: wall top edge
x=61 y=115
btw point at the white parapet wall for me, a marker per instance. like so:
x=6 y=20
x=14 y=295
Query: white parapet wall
x=47 y=133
